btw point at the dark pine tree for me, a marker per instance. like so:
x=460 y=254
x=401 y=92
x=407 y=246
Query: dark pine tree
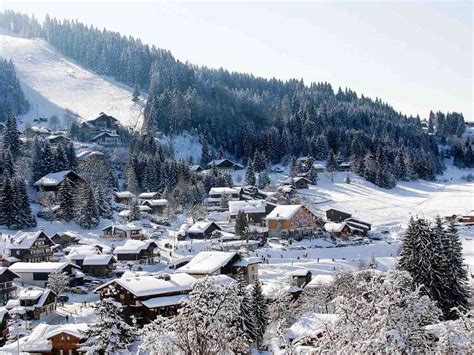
x=8 y=203
x=25 y=217
x=260 y=311
x=11 y=137
x=250 y=174
x=241 y=224
x=87 y=215
x=67 y=200
x=457 y=276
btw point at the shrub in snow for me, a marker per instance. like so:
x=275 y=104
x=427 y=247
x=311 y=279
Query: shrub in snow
x=58 y=282
x=209 y=322
x=110 y=334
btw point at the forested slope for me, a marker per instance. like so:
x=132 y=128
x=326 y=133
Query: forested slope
x=242 y=114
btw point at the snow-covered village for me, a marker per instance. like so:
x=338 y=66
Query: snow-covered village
x=153 y=206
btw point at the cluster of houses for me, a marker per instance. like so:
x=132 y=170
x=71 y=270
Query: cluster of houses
x=29 y=258
x=270 y=219
x=103 y=130
x=147 y=295
x=149 y=202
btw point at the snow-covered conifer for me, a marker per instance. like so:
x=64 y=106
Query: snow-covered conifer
x=87 y=215
x=103 y=201
x=259 y=310
x=250 y=174
x=66 y=200
x=110 y=334
x=58 y=282
x=25 y=217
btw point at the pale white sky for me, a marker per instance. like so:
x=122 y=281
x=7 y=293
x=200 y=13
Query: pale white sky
x=416 y=56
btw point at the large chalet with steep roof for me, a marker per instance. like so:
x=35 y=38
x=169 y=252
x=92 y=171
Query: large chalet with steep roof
x=292 y=221
x=31 y=246
x=147 y=296
x=102 y=122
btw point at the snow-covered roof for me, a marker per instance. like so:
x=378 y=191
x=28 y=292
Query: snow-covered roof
x=142 y=286
x=194 y=167
x=133 y=246
x=38 y=340
x=71 y=234
x=80 y=252
x=124 y=194
x=469 y=214
x=38 y=129
x=30 y=294
x=148 y=195
x=158 y=202
x=299 y=272
x=110 y=134
x=334 y=227
x=45 y=266
x=250 y=206
x=124 y=227
x=100 y=259
x=319 y=280
x=309 y=324
x=295 y=179
x=222 y=190
x=247 y=261
x=200 y=227
x=158 y=302
x=218 y=162
x=89 y=153
x=52 y=179
x=207 y=262
x=24 y=240
x=56 y=136
x=282 y=212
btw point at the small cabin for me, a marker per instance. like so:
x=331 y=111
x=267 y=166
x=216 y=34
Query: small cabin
x=202 y=230
x=301 y=277
x=123 y=231
x=124 y=197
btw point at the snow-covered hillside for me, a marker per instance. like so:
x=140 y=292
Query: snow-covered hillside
x=52 y=82
x=391 y=209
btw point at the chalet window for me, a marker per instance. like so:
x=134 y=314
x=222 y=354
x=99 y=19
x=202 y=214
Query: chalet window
x=40 y=276
x=17 y=252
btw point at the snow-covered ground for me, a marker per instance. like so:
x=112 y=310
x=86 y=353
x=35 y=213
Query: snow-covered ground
x=390 y=209
x=52 y=82
x=184 y=146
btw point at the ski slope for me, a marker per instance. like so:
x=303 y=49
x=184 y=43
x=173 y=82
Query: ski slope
x=52 y=82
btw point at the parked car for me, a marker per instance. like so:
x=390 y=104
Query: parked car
x=80 y=290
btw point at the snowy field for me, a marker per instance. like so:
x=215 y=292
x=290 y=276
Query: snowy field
x=52 y=82
x=387 y=210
